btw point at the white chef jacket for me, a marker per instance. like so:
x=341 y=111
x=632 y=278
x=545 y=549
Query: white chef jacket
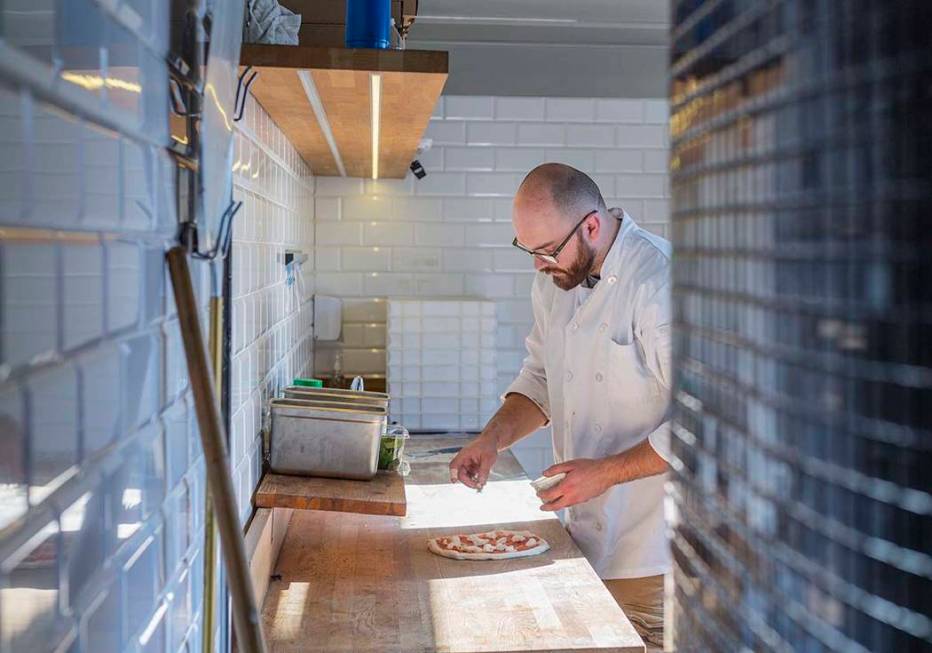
x=598 y=366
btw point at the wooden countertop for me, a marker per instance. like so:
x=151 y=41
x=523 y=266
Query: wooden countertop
x=364 y=583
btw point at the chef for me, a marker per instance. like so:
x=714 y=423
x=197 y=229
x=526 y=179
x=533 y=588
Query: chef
x=597 y=371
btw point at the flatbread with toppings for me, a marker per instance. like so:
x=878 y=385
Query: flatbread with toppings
x=492 y=545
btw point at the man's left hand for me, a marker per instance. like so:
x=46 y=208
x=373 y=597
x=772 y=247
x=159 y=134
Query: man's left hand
x=585 y=479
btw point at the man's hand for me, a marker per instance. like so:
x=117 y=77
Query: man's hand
x=473 y=463
x=585 y=479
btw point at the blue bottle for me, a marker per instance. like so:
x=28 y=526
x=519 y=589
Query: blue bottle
x=368 y=23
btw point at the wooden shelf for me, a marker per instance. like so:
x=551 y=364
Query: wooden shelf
x=411 y=84
x=383 y=495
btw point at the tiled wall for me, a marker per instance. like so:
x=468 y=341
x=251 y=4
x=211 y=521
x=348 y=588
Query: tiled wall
x=272 y=318
x=450 y=233
x=101 y=474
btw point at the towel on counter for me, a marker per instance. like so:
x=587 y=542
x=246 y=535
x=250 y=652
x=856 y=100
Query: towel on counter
x=269 y=22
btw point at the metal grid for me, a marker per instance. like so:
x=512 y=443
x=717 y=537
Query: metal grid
x=803 y=295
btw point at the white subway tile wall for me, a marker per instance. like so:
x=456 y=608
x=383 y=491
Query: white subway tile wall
x=102 y=475
x=449 y=234
x=441 y=363
x=272 y=307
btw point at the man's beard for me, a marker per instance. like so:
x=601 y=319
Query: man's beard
x=578 y=270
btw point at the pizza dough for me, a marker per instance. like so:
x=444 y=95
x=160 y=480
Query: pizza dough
x=491 y=545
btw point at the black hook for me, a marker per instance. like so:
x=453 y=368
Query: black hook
x=242 y=93
x=224 y=235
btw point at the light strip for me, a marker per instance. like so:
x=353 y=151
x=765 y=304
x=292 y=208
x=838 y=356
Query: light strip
x=310 y=89
x=375 y=82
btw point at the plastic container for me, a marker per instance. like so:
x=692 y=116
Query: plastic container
x=391 y=450
x=368 y=24
x=308 y=383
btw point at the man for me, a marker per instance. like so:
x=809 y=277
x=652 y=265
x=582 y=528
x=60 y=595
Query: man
x=598 y=370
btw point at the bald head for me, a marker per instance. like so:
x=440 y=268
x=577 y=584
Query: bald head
x=569 y=192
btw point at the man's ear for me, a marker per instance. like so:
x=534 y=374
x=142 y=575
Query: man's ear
x=593 y=226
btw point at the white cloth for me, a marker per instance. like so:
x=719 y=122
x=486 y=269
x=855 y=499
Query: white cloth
x=598 y=365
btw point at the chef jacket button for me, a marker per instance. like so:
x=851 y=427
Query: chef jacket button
x=603 y=327
x=598 y=377
x=574 y=326
x=569 y=376
x=612 y=279
x=598 y=428
x=598 y=526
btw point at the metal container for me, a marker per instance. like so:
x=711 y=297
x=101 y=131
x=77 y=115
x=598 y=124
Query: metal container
x=315 y=438
x=337 y=395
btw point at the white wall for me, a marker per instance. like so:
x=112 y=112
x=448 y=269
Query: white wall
x=450 y=233
x=272 y=324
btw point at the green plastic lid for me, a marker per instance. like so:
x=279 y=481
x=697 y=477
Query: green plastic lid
x=309 y=383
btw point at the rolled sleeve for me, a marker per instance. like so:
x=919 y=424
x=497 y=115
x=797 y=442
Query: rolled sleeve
x=660 y=441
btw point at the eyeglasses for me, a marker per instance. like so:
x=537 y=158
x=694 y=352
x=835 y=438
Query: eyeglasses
x=551 y=257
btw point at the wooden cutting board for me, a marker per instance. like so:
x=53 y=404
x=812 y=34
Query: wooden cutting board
x=353 y=582
x=383 y=495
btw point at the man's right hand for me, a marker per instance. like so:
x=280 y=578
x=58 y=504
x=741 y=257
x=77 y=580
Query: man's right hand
x=473 y=463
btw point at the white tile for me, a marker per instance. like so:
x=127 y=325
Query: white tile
x=438 y=108
x=366 y=208
x=606 y=184
x=364 y=310
x=338 y=186
x=83 y=294
x=541 y=134
x=656 y=111
x=123 y=284
x=491 y=133
x=447 y=235
x=339 y=283
x=657 y=210
x=619 y=110
x=519 y=108
x=339 y=233
x=656 y=160
x=511 y=259
x=640 y=185
x=469 y=158
x=494 y=234
x=590 y=136
x=490 y=285
x=519 y=159
x=581 y=159
x=468 y=107
x=618 y=161
x=467 y=209
x=570 y=109
x=416 y=209
x=467 y=259
x=442 y=183
x=416 y=259
x=386 y=234
x=29 y=299
x=492 y=184
x=641 y=136
x=365 y=259
x=446 y=132
x=387 y=284
x=432 y=159
x=326 y=209
x=392 y=187
x=327 y=259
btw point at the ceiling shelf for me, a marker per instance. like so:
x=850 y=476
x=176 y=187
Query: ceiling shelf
x=322 y=99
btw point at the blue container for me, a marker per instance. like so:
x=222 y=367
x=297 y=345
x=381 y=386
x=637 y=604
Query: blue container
x=368 y=23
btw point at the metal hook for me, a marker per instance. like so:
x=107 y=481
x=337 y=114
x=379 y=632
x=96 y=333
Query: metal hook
x=224 y=235
x=242 y=93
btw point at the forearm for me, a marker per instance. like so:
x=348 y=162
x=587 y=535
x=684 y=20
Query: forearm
x=640 y=461
x=517 y=417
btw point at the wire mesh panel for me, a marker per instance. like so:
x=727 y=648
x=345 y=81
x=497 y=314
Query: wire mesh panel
x=801 y=151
